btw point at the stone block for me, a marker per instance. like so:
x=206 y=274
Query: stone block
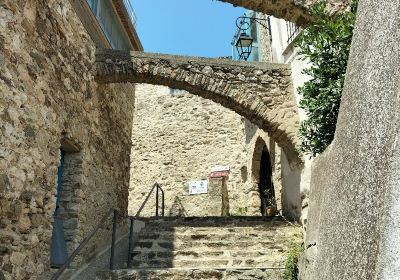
x=17 y=258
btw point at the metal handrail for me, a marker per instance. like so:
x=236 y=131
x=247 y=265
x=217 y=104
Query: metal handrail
x=156 y=185
x=158 y=188
x=87 y=239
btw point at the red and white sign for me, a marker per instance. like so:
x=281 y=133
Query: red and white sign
x=218 y=168
x=218 y=174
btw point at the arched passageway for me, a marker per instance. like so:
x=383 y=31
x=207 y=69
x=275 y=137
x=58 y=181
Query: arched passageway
x=260 y=92
x=276 y=182
x=262 y=167
x=265 y=183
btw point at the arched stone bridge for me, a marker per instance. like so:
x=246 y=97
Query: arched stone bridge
x=261 y=92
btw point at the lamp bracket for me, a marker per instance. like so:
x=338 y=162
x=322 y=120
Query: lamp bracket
x=243 y=25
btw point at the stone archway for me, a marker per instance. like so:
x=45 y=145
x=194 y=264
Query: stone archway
x=261 y=92
x=286 y=180
x=261 y=150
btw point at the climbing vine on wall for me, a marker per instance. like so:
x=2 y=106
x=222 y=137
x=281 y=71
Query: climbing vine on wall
x=292 y=262
x=326 y=44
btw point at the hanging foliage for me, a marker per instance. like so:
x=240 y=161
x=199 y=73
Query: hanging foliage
x=326 y=45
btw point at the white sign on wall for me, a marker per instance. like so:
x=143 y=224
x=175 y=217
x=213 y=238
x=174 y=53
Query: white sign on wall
x=198 y=187
x=220 y=168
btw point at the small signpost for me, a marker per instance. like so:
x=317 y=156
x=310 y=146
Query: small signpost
x=219 y=171
x=218 y=174
x=198 y=187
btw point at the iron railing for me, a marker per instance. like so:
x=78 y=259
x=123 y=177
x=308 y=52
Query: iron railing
x=131 y=12
x=158 y=188
x=114 y=232
x=88 y=238
x=292 y=31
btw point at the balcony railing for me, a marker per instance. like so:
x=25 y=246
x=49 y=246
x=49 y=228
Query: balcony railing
x=131 y=11
x=292 y=31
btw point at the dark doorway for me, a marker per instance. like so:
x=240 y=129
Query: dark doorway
x=59 y=253
x=265 y=184
x=67 y=204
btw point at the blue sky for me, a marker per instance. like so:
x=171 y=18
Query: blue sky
x=186 y=27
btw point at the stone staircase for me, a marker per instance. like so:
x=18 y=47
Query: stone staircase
x=210 y=248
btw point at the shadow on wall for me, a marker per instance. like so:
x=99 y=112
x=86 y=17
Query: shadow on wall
x=155 y=247
x=177 y=208
x=250 y=130
x=291 y=195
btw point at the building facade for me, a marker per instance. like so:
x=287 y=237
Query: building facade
x=65 y=140
x=283 y=50
x=274 y=41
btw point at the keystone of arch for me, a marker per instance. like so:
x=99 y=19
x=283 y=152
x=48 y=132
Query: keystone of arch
x=260 y=92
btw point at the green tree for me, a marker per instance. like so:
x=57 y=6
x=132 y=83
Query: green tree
x=326 y=45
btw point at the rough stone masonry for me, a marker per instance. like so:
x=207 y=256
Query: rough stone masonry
x=177 y=137
x=354 y=216
x=48 y=100
x=261 y=92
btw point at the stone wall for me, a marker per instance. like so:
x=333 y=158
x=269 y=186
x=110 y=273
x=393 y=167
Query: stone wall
x=69 y=197
x=179 y=121
x=354 y=219
x=49 y=97
x=177 y=137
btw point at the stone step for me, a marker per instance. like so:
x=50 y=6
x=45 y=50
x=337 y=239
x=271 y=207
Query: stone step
x=204 y=228
x=193 y=236
x=208 y=245
x=206 y=263
x=206 y=273
x=221 y=222
x=206 y=260
x=171 y=226
x=211 y=229
x=210 y=248
x=177 y=255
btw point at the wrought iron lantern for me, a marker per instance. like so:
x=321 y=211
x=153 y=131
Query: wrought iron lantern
x=243 y=40
x=244 y=45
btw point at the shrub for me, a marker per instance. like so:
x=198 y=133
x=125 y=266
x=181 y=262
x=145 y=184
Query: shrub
x=326 y=45
x=291 y=266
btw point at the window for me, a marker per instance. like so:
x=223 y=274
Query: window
x=108 y=20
